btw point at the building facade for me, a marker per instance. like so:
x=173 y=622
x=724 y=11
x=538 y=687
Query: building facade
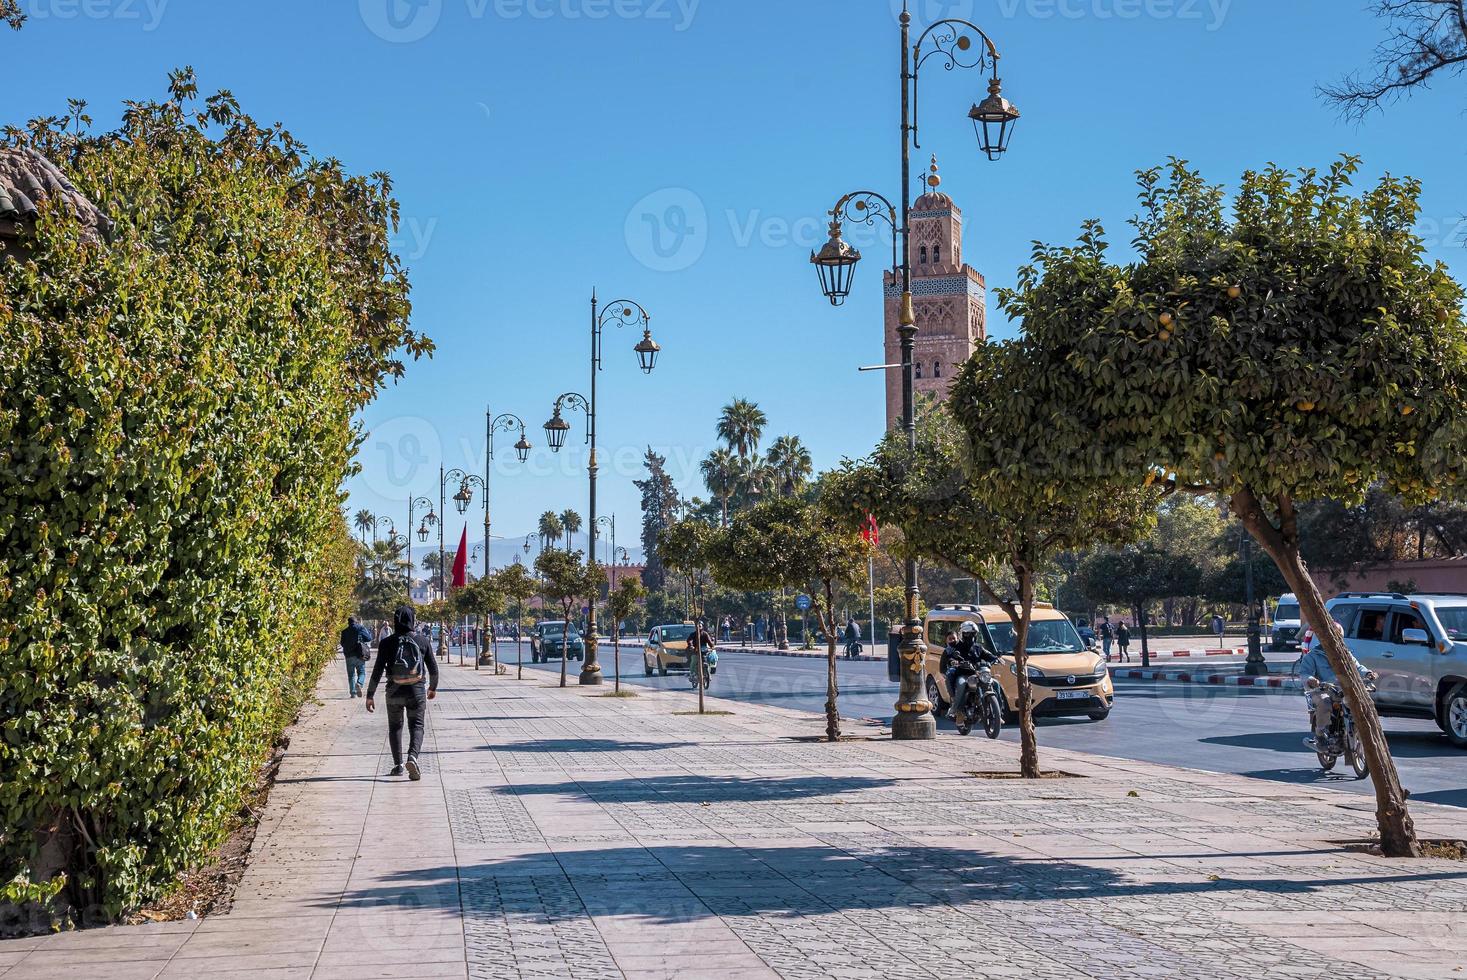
x=949 y=297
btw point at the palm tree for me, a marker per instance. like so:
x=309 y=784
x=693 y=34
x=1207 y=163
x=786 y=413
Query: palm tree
x=571 y=521
x=791 y=463
x=383 y=560
x=721 y=472
x=550 y=530
x=741 y=426
x=365 y=521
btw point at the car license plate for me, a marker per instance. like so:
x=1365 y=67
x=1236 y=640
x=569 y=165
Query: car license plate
x=1073 y=695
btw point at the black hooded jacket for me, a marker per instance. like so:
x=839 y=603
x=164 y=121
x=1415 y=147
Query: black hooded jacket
x=404 y=626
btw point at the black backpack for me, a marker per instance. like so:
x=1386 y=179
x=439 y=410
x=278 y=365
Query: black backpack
x=405 y=665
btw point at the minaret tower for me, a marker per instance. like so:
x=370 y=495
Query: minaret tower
x=950 y=300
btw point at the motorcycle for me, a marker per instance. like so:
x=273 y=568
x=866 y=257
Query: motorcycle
x=710 y=667
x=854 y=650
x=1343 y=738
x=977 y=699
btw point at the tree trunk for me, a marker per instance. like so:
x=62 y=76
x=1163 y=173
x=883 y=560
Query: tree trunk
x=1028 y=740
x=1140 y=617
x=832 y=692
x=564 y=646
x=1397 y=832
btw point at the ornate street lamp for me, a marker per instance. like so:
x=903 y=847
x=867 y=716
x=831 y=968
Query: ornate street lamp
x=503 y=423
x=647 y=351
x=557 y=429
x=951 y=41
x=463 y=498
x=836 y=265
x=622 y=313
x=994 y=118
x=429 y=520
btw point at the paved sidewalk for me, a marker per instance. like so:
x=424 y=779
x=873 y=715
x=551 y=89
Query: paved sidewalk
x=562 y=834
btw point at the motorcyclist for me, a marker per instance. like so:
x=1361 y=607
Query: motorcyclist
x=852 y=635
x=1319 y=701
x=965 y=653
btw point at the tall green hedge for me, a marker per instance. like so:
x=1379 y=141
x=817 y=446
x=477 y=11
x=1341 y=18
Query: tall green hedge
x=176 y=420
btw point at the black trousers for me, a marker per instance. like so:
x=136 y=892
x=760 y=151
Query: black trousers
x=409 y=704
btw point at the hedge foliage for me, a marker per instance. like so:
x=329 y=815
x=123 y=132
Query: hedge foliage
x=176 y=420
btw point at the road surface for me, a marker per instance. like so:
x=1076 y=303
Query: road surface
x=1221 y=729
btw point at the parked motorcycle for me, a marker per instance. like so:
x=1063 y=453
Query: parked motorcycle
x=1344 y=738
x=977 y=700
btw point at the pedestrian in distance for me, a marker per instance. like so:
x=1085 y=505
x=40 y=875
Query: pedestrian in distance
x=1123 y=640
x=356 y=644
x=1107 y=636
x=1219 y=626
x=406 y=660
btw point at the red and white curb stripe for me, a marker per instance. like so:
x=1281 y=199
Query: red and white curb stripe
x=1224 y=680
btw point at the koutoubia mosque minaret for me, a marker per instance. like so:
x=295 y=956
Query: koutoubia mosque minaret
x=950 y=299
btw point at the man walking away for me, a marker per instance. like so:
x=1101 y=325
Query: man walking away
x=355 y=643
x=1107 y=634
x=1123 y=639
x=412 y=681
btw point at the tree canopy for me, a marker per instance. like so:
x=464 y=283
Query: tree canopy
x=1297 y=346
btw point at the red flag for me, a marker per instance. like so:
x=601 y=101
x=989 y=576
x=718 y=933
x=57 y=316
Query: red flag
x=871 y=533
x=461 y=561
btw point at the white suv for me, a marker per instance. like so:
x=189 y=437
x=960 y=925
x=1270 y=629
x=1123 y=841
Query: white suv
x=1418 y=646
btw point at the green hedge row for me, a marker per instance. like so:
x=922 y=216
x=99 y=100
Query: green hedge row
x=176 y=419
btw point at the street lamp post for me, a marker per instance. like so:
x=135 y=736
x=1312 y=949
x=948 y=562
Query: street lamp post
x=428 y=521
x=461 y=501
x=622 y=313
x=951 y=41
x=502 y=423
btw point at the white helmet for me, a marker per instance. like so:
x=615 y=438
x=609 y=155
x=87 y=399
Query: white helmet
x=970 y=628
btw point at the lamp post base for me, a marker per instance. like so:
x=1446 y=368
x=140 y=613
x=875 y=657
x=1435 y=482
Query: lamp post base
x=913 y=726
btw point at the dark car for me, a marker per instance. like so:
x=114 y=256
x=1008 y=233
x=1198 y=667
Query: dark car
x=1086 y=631
x=548 y=641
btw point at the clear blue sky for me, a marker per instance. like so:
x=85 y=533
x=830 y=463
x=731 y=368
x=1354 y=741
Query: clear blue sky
x=530 y=139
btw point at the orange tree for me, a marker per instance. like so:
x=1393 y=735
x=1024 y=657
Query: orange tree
x=1296 y=346
x=569 y=581
x=794 y=543
x=978 y=496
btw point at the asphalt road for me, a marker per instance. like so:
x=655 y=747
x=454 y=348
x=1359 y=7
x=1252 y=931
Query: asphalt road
x=1236 y=730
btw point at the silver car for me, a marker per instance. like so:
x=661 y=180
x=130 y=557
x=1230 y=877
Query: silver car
x=1418 y=646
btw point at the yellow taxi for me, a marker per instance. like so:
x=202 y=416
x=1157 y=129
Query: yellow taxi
x=667 y=649
x=1065 y=679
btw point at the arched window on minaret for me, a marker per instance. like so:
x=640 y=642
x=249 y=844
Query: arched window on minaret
x=924 y=255
x=937 y=369
x=937 y=255
x=918 y=366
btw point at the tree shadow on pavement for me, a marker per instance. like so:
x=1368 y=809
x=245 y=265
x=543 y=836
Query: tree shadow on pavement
x=672 y=884
x=1404 y=745
x=588 y=745
x=695 y=788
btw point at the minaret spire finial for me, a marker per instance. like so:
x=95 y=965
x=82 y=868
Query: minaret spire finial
x=934 y=179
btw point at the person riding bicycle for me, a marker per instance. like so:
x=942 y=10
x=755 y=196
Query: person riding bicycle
x=1319 y=701
x=962 y=653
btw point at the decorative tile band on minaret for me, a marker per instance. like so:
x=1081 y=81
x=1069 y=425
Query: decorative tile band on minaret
x=950 y=296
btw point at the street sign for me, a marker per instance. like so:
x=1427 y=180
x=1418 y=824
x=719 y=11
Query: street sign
x=802 y=603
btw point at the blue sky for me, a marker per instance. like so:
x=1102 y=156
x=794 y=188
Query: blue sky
x=538 y=145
